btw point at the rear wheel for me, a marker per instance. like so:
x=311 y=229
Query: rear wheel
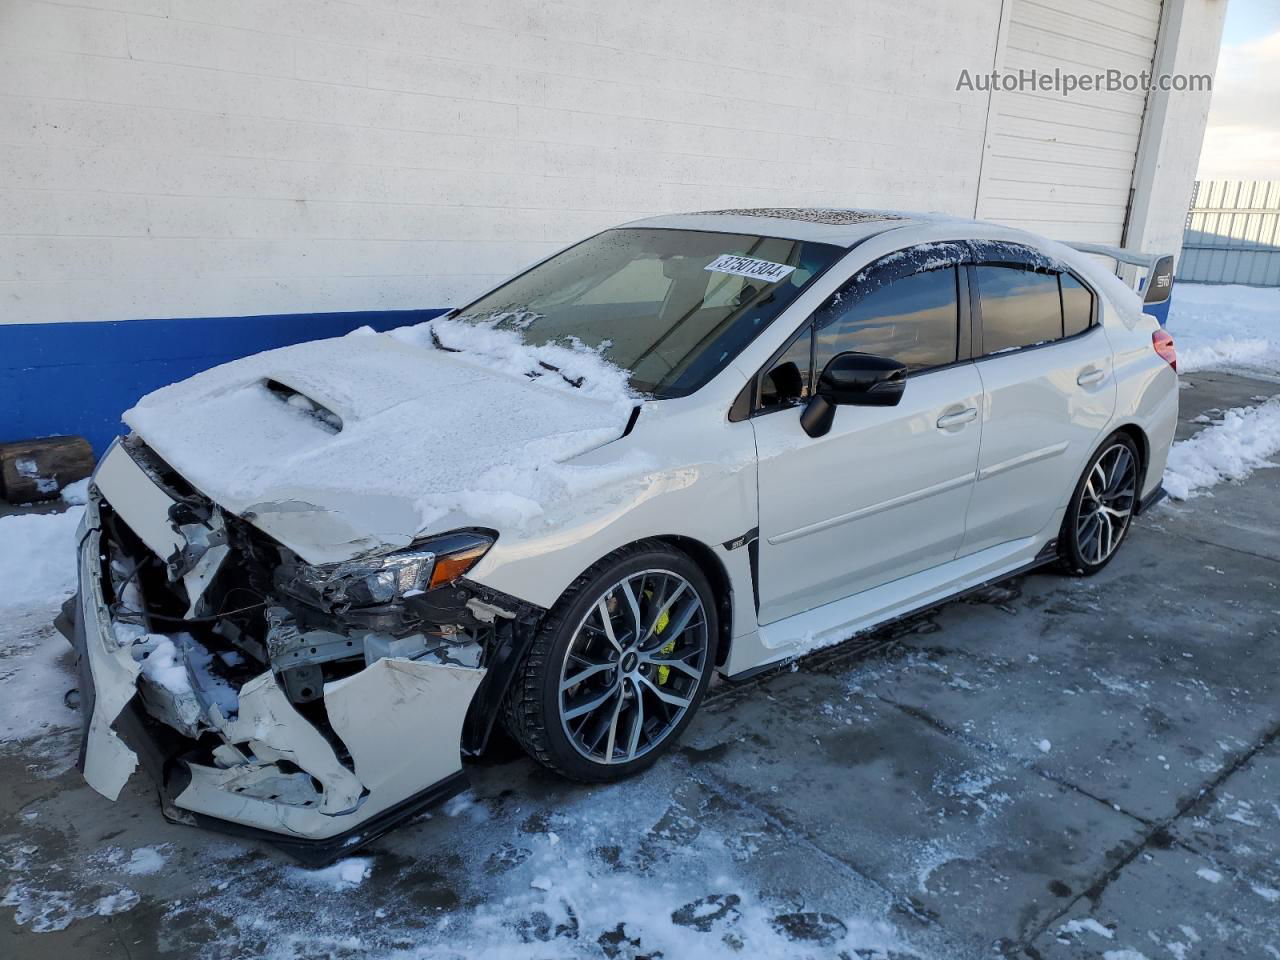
x=1101 y=508
x=619 y=665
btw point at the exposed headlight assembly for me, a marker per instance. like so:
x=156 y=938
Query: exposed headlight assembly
x=377 y=581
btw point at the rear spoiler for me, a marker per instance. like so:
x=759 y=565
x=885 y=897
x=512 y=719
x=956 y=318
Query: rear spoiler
x=1153 y=278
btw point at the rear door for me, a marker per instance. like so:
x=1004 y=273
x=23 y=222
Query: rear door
x=883 y=494
x=1048 y=391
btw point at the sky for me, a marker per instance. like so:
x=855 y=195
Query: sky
x=1242 y=141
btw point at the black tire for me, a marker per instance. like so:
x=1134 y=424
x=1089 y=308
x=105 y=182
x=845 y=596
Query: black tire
x=1079 y=554
x=532 y=711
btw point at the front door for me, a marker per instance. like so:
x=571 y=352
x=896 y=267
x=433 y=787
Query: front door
x=884 y=493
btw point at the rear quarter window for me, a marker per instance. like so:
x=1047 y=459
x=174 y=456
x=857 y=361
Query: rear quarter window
x=1077 y=305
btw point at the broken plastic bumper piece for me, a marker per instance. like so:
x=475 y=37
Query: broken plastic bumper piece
x=316 y=775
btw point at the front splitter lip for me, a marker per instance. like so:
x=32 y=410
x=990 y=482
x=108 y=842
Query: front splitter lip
x=119 y=734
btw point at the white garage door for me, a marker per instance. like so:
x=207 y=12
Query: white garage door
x=1063 y=166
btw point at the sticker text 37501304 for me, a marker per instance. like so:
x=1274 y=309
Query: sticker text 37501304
x=749 y=267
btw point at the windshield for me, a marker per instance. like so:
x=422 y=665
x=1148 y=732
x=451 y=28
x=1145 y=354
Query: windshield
x=670 y=307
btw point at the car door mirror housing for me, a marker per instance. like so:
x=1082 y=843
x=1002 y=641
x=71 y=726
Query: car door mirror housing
x=861 y=379
x=853 y=379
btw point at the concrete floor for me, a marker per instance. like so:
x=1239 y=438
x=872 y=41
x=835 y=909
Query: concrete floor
x=1055 y=769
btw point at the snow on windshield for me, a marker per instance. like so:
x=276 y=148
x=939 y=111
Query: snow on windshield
x=503 y=348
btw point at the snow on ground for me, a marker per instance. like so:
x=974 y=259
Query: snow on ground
x=343 y=875
x=1244 y=440
x=37 y=572
x=1236 y=329
x=144 y=862
x=1232 y=327
x=644 y=868
x=38 y=558
x=1079 y=926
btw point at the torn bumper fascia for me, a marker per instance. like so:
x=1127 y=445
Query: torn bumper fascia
x=314 y=797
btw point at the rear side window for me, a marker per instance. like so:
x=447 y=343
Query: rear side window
x=914 y=320
x=1019 y=308
x=1077 y=305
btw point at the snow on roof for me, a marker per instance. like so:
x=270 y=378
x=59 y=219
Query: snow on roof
x=829 y=215
x=843 y=227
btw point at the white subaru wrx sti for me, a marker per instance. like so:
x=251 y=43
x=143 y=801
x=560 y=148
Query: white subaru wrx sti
x=311 y=580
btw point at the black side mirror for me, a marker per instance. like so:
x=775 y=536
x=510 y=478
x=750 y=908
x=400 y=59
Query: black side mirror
x=853 y=379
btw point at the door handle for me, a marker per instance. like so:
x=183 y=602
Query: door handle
x=1090 y=377
x=959 y=418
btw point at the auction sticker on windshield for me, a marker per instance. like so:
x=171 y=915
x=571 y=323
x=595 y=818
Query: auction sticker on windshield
x=749 y=267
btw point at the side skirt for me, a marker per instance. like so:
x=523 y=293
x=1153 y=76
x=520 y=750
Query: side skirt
x=1043 y=558
x=856 y=615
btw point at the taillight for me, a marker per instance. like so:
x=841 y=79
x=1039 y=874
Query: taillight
x=1162 y=342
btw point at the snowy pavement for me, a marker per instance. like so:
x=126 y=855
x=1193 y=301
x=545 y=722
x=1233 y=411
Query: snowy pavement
x=1058 y=768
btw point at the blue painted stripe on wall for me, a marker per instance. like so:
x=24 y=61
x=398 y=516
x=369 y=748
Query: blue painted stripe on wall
x=77 y=378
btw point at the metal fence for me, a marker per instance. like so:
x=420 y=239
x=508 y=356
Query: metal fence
x=1233 y=233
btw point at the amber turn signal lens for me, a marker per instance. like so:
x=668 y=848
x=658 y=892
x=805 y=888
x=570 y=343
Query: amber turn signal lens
x=451 y=566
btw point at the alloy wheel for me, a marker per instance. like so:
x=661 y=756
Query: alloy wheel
x=633 y=667
x=1106 y=503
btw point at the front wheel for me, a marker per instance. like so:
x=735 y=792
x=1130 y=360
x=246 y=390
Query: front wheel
x=1101 y=508
x=618 y=667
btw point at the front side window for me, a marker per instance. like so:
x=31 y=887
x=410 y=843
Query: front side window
x=913 y=319
x=1020 y=308
x=787 y=381
x=671 y=307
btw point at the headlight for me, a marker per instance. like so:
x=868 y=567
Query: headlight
x=375 y=581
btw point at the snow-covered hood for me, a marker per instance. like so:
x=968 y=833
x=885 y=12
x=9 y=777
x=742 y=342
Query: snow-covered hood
x=428 y=440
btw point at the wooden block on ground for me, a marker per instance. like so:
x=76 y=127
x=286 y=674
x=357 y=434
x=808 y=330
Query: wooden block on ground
x=33 y=470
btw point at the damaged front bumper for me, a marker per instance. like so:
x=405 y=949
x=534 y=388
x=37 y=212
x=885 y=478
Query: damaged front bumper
x=317 y=778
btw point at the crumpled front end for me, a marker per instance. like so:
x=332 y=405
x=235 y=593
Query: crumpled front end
x=253 y=704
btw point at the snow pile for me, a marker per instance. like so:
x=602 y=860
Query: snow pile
x=144 y=862
x=1089 y=924
x=38 y=558
x=1226 y=327
x=343 y=875
x=76 y=494
x=430 y=439
x=1229 y=450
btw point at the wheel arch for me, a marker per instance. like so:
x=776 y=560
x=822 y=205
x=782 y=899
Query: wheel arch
x=714 y=570
x=1143 y=443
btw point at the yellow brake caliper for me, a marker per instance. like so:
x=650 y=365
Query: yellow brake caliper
x=664 y=672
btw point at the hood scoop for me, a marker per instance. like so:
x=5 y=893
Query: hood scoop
x=326 y=418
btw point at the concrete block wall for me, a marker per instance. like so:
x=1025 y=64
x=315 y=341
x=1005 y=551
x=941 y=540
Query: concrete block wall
x=213 y=158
